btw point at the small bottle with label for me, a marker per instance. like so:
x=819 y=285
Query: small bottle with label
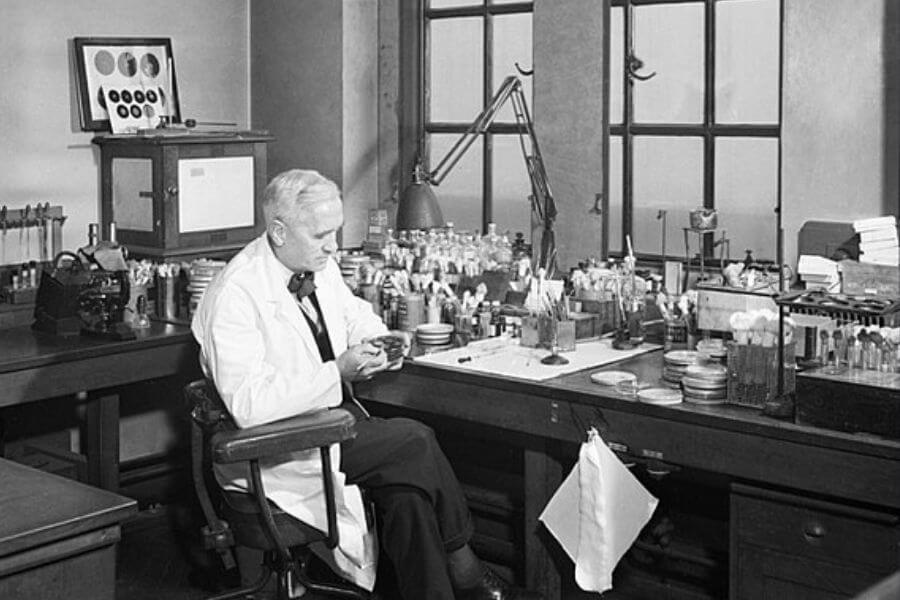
x=93 y=234
x=496 y=319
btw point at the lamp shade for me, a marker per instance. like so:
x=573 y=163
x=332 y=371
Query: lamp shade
x=418 y=207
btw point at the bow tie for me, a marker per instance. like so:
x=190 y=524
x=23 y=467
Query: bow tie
x=302 y=284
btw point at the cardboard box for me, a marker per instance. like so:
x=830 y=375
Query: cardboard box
x=716 y=305
x=864 y=278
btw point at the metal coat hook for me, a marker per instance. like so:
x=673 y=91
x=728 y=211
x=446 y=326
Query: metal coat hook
x=524 y=72
x=633 y=64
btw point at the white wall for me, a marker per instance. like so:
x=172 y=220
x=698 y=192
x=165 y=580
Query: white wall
x=360 y=125
x=45 y=156
x=840 y=152
x=314 y=87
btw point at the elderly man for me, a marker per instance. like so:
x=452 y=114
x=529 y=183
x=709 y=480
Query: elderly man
x=281 y=334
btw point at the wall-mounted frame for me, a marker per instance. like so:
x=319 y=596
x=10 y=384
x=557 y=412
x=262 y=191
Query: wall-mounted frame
x=117 y=68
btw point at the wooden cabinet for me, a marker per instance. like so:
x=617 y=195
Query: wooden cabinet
x=789 y=546
x=57 y=537
x=178 y=195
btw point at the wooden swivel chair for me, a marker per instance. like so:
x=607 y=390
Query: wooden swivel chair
x=248 y=518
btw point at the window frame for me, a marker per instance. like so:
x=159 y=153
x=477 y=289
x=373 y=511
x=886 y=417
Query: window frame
x=417 y=124
x=708 y=130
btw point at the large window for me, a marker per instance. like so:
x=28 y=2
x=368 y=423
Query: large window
x=703 y=131
x=470 y=47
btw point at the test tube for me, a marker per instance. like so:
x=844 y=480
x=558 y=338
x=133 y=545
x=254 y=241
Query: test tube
x=853 y=352
x=888 y=358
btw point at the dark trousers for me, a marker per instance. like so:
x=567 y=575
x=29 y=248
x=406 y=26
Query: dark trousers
x=421 y=510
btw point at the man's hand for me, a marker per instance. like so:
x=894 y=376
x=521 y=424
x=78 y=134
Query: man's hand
x=396 y=345
x=361 y=362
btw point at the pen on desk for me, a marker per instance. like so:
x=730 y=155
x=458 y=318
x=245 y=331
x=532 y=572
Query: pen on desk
x=463 y=359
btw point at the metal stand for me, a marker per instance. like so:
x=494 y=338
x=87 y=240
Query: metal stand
x=722 y=244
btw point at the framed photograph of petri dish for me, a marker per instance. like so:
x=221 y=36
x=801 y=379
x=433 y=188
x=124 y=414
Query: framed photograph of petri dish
x=134 y=78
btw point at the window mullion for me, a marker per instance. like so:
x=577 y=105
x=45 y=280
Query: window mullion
x=709 y=116
x=627 y=122
x=487 y=208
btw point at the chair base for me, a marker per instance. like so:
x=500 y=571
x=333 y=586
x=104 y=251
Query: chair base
x=300 y=571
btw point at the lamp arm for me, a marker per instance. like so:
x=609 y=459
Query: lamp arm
x=542 y=202
x=478 y=126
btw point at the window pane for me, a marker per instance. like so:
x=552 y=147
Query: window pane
x=616 y=242
x=616 y=64
x=747 y=61
x=455 y=69
x=746 y=193
x=512 y=44
x=453 y=3
x=511 y=187
x=668 y=174
x=669 y=39
x=460 y=194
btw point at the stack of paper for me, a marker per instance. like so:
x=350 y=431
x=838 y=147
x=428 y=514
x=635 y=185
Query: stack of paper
x=818 y=272
x=878 y=240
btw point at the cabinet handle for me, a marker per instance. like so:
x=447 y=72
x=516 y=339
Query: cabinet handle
x=172 y=190
x=813 y=531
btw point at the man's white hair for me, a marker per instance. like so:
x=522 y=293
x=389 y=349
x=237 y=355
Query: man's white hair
x=291 y=191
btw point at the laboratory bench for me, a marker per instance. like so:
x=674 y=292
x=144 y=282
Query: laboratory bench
x=812 y=513
x=37 y=366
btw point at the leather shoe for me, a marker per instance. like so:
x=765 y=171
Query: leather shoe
x=492 y=587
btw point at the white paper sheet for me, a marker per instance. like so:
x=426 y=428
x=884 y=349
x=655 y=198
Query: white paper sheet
x=506 y=357
x=215 y=193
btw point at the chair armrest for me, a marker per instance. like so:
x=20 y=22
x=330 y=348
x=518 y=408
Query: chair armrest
x=313 y=430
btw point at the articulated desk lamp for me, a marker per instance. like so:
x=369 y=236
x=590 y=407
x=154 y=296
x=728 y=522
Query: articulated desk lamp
x=418 y=207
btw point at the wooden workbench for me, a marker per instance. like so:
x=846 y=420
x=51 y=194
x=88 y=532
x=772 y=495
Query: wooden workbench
x=828 y=499
x=37 y=366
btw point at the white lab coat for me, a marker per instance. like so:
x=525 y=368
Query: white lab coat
x=258 y=349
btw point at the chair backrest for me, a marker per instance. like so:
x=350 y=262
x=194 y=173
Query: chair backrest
x=206 y=407
x=208 y=415
x=216 y=438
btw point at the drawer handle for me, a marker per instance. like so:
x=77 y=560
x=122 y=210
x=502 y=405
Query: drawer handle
x=814 y=531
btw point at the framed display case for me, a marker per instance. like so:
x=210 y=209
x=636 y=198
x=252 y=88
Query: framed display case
x=183 y=195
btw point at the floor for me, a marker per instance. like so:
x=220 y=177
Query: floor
x=154 y=562
x=159 y=558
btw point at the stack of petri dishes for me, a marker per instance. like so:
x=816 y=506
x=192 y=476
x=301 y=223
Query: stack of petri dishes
x=712 y=351
x=675 y=364
x=350 y=265
x=434 y=335
x=200 y=273
x=705 y=384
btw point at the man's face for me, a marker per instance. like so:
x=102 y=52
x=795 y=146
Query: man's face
x=306 y=242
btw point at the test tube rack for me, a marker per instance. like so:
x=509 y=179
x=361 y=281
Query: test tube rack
x=30 y=234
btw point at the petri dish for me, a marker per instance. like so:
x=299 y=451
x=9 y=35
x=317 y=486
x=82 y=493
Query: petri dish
x=612 y=378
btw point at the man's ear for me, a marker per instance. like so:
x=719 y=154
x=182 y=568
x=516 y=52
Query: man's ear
x=275 y=229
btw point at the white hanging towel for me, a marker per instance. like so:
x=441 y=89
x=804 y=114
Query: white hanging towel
x=597 y=513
